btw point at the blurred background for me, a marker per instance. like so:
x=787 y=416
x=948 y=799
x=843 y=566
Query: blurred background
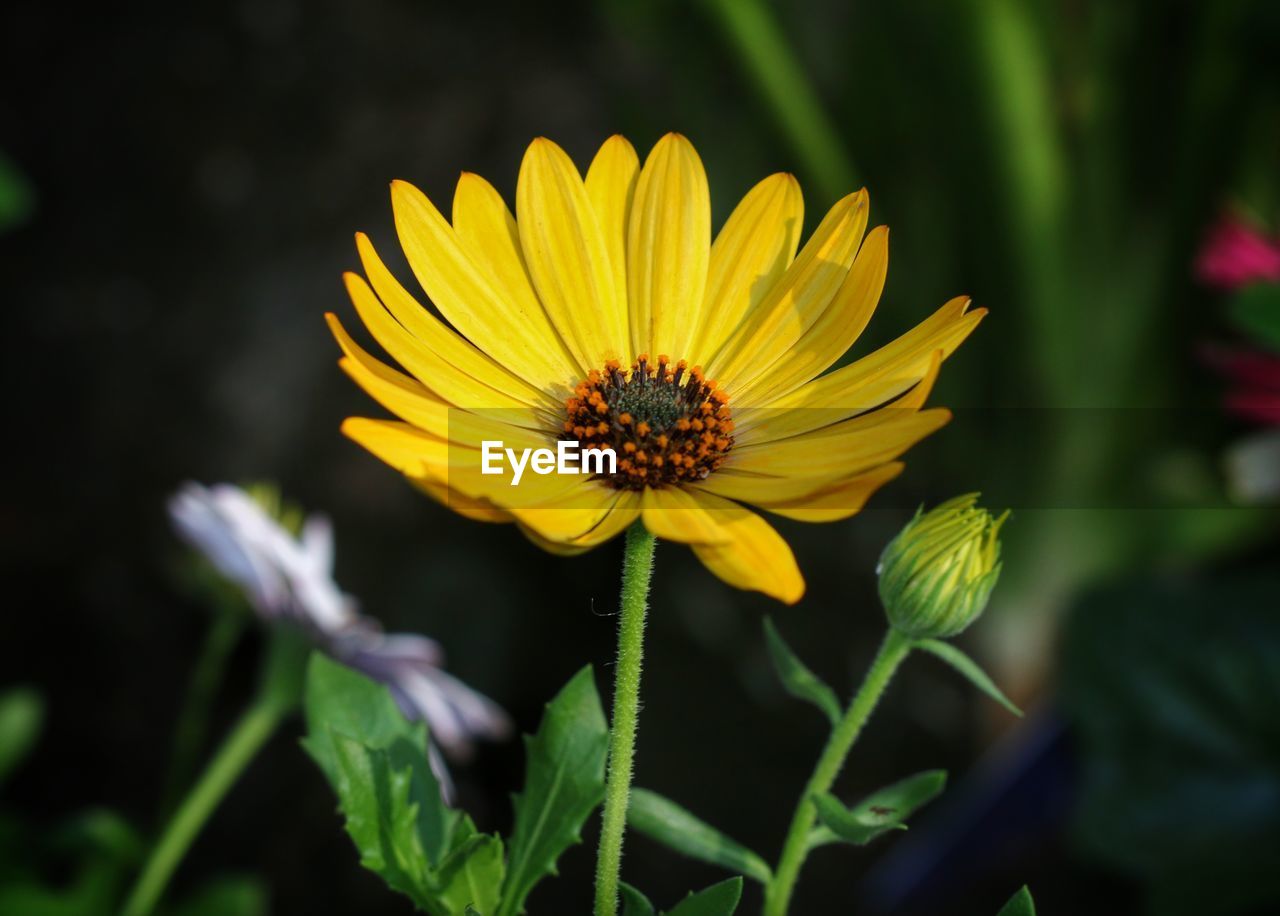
x=179 y=186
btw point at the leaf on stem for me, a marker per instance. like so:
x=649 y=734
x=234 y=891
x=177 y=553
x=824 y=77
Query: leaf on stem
x=663 y=820
x=634 y=903
x=717 y=900
x=1020 y=904
x=878 y=813
x=969 y=668
x=796 y=677
x=564 y=781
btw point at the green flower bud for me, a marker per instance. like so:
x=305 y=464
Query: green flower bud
x=937 y=574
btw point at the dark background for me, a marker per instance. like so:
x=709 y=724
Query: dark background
x=198 y=171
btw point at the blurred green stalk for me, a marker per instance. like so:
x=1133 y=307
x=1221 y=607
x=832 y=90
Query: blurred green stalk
x=751 y=29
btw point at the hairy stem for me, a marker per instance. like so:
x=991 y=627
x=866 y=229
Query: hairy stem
x=637 y=570
x=893 y=650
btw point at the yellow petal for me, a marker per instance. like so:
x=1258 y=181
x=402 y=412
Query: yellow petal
x=407 y=449
x=889 y=396
x=624 y=512
x=611 y=185
x=568 y=258
x=846 y=448
x=455 y=354
x=478 y=510
x=864 y=385
x=571 y=518
x=830 y=502
x=414 y=403
x=834 y=331
x=676 y=515
x=769 y=330
x=427 y=366
x=668 y=246
x=487 y=231
x=752 y=556
x=749 y=256
x=460 y=289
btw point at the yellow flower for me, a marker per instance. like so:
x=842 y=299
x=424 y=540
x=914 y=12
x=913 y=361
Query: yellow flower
x=602 y=314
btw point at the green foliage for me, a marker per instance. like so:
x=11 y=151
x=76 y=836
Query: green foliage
x=1172 y=689
x=1256 y=311
x=969 y=668
x=21 y=716
x=717 y=900
x=634 y=903
x=663 y=820
x=878 y=813
x=233 y=895
x=17 y=199
x=564 y=782
x=376 y=761
x=1020 y=904
x=796 y=676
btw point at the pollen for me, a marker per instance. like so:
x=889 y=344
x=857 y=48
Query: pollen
x=667 y=423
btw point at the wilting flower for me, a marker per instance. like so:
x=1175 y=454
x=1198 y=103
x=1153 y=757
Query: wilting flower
x=937 y=574
x=1236 y=254
x=602 y=315
x=289 y=579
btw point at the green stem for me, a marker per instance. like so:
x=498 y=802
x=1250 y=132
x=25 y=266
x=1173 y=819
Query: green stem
x=637 y=570
x=193 y=724
x=893 y=650
x=277 y=696
x=786 y=89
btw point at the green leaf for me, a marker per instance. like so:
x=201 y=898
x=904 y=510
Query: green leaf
x=1256 y=311
x=717 y=900
x=340 y=702
x=878 y=813
x=1020 y=904
x=663 y=820
x=1170 y=684
x=796 y=677
x=232 y=895
x=969 y=668
x=382 y=818
x=17 y=198
x=564 y=781
x=471 y=876
x=634 y=903
x=21 y=716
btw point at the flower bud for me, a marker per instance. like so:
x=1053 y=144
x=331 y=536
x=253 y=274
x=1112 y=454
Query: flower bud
x=937 y=574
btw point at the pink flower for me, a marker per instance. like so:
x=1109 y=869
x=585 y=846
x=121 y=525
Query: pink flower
x=1236 y=254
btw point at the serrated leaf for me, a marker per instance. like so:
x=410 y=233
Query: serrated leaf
x=471 y=876
x=564 y=781
x=1256 y=311
x=343 y=702
x=21 y=716
x=1020 y=904
x=878 y=813
x=717 y=900
x=663 y=820
x=382 y=818
x=634 y=903
x=969 y=668
x=796 y=677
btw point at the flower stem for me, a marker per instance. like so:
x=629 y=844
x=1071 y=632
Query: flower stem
x=277 y=696
x=637 y=570
x=206 y=677
x=893 y=650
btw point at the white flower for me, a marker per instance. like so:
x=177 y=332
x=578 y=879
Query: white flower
x=290 y=579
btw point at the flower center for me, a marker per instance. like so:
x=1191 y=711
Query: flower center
x=666 y=424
